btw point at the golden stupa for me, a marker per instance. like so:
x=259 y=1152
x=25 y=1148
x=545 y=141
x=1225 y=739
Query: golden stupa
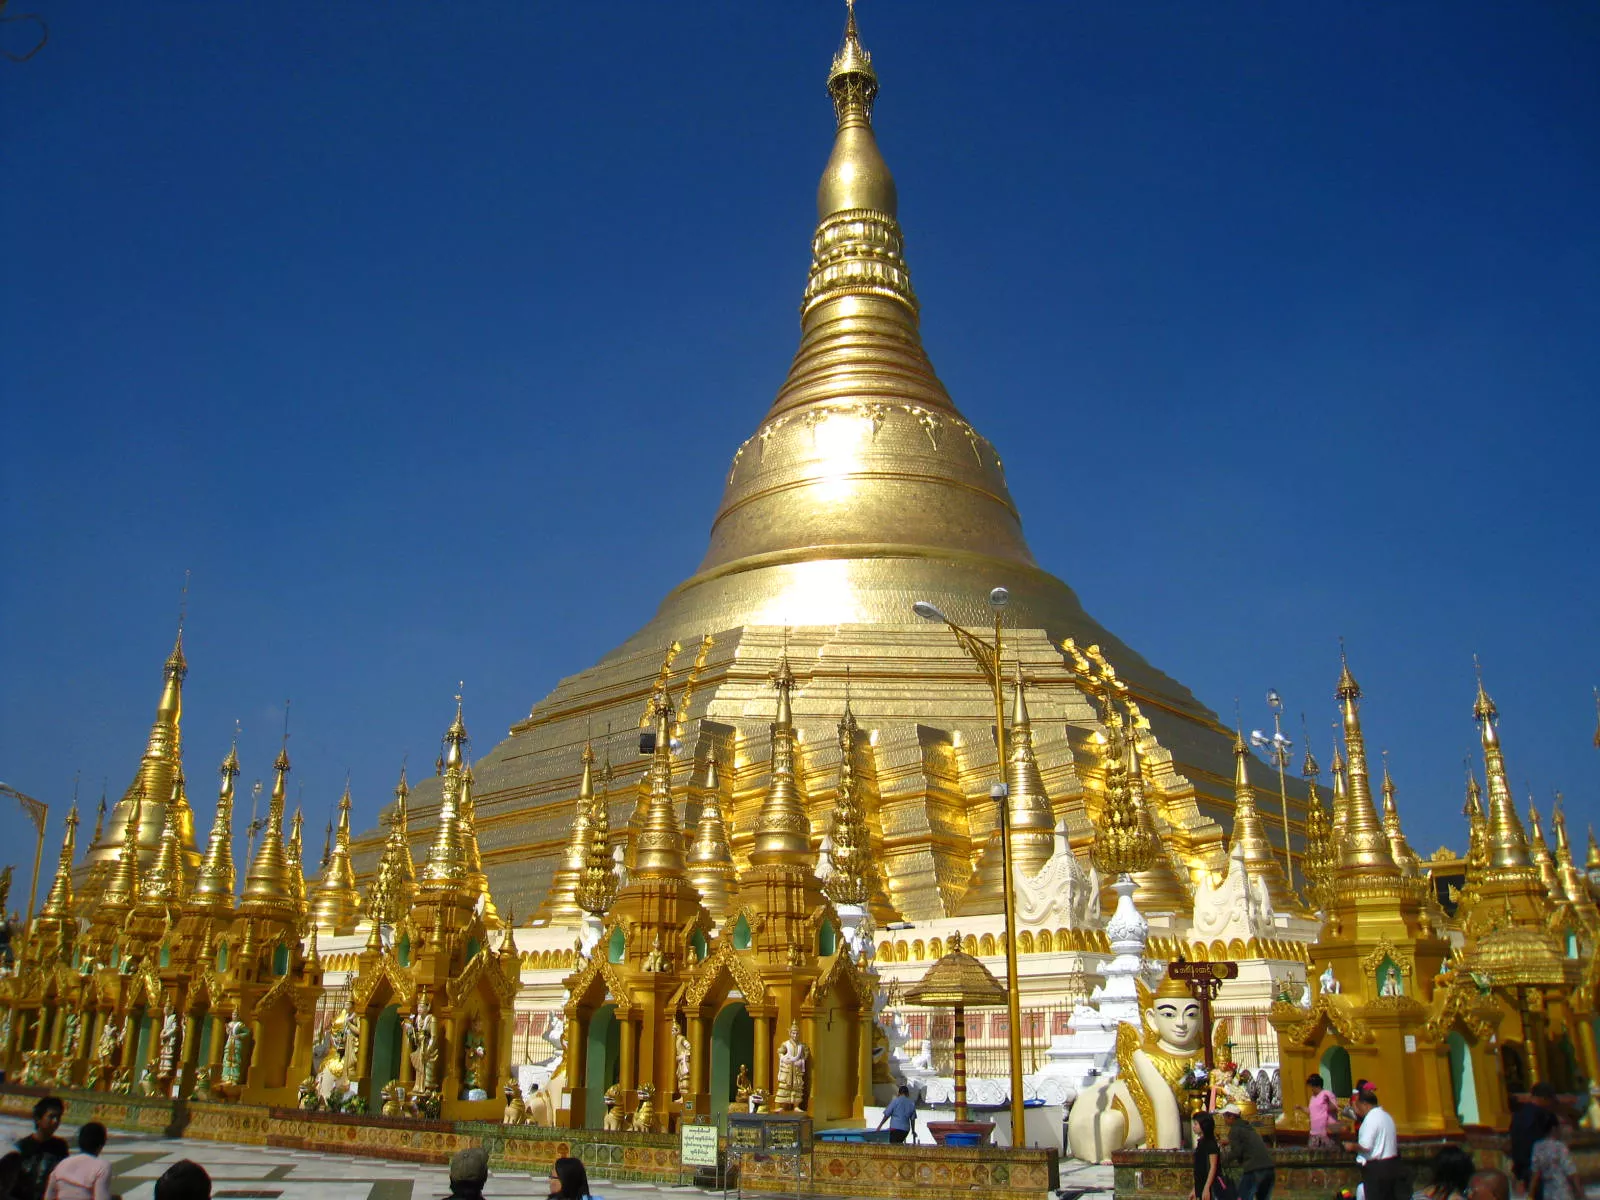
x=862 y=490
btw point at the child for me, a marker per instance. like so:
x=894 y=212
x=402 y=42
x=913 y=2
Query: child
x=1323 y=1112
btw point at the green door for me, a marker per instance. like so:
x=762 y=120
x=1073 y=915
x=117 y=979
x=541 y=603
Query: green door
x=733 y=1037
x=603 y=1063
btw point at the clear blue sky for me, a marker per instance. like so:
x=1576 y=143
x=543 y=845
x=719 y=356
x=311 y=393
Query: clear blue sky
x=423 y=335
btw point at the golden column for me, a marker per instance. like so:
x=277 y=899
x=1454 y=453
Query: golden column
x=988 y=655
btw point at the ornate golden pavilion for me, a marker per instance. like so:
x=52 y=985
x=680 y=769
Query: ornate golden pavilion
x=814 y=761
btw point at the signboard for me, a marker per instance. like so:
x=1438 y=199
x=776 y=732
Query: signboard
x=770 y=1133
x=1205 y=981
x=1189 y=972
x=697 y=1145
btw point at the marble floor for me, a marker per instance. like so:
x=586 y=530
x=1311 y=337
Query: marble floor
x=266 y=1173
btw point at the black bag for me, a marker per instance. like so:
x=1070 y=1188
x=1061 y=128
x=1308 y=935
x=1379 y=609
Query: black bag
x=1222 y=1187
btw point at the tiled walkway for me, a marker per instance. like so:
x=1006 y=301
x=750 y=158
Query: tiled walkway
x=266 y=1173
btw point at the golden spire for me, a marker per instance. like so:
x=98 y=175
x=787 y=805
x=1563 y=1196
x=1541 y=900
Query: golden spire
x=58 y=903
x=561 y=903
x=469 y=843
x=99 y=818
x=710 y=866
x=337 y=903
x=1250 y=835
x=782 y=829
x=446 y=867
x=296 y=853
x=1399 y=849
x=658 y=848
x=1320 y=859
x=1592 y=862
x=1508 y=845
x=1573 y=885
x=1366 y=848
x=1160 y=888
x=122 y=888
x=1539 y=851
x=267 y=890
x=851 y=881
x=390 y=896
x=1341 y=805
x=599 y=884
x=1033 y=820
x=213 y=887
x=1122 y=844
x=1477 y=839
x=163 y=886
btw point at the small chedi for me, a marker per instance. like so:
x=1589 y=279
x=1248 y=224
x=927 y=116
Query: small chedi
x=730 y=918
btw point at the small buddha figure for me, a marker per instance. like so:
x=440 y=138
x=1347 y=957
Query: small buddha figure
x=1141 y=1106
x=741 y=1086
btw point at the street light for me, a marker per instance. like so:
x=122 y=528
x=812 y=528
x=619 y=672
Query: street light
x=38 y=812
x=987 y=655
x=1277 y=748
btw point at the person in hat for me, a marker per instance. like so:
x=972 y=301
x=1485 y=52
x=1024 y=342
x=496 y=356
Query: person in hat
x=469 y=1172
x=1249 y=1153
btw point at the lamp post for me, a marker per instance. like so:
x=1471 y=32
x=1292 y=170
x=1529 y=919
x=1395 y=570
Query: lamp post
x=987 y=655
x=1277 y=748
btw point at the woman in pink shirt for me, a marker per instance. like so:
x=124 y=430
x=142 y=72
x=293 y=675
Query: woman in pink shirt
x=1324 y=1112
x=84 y=1176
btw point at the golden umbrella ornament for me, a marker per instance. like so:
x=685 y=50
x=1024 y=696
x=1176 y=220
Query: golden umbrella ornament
x=958 y=981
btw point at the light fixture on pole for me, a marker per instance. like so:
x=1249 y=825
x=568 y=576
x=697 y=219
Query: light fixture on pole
x=987 y=655
x=39 y=813
x=1277 y=748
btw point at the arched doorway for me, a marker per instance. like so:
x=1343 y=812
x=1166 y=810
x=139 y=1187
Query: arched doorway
x=1463 y=1085
x=733 y=1036
x=605 y=1043
x=1335 y=1071
x=1514 y=1067
x=385 y=1051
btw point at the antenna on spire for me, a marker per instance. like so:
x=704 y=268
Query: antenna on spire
x=286 y=724
x=183 y=603
x=75 y=776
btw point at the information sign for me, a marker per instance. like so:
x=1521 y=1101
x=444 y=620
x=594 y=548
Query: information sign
x=697 y=1145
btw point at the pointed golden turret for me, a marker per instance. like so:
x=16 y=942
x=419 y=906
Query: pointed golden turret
x=1365 y=852
x=1477 y=842
x=851 y=880
x=561 y=902
x=1573 y=885
x=162 y=759
x=1250 y=834
x=1320 y=859
x=1160 y=887
x=164 y=885
x=336 y=903
x=1341 y=805
x=477 y=880
x=710 y=865
x=1399 y=849
x=1592 y=862
x=99 y=819
x=58 y=902
x=1508 y=844
x=1032 y=818
x=446 y=868
x=122 y=888
x=213 y=887
x=392 y=890
x=658 y=847
x=267 y=890
x=295 y=852
x=782 y=829
x=598 y=887
x=1539 y=852
x=1122 y=844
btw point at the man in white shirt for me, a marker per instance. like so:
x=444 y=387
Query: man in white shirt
x=1377 y=1148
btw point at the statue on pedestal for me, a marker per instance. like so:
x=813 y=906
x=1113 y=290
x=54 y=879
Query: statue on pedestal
x=422 y=1032
x=644 y=1117
x=1142 y=1106
x=516 y=1108
x=171 y=1043
x=682 y=1051
x=794 y=1059
x=741 y=1086
x=233 y=1051
x=473 y=1060
x=615 y=1118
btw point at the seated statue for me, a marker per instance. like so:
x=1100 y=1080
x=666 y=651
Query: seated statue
x=516 y=1107
x=1142 y=1105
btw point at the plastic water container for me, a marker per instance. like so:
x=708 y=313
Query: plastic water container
x=961 y=1140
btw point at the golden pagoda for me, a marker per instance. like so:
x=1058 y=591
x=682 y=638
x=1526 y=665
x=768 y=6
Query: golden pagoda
x=335 y=902
x=710 y=861
x=1249 y=832
x=861 y=490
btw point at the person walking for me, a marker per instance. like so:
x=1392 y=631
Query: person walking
x=1207 y=1159
x=1377 y=1148
x=1322 y=1109
x=901 y=1114
x=1249 y=1153
x=1555 y=1174
x=1540 y=1103
x=84 y=1176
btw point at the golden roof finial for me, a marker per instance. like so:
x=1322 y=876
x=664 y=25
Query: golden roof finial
x=476 y=878
x=1592 y=862
x=163 y=887
x=1310 y=769
x=710 y=864
x=1320 y=860
x=1573 y=885
x=446 y=867
x=1249 y=833
x=296 y=852
x=1508 y=844
x=782 y=829
x=1341 y=800
x=1029 y=811
x=599 y=885
x=337 y=902
x=1122 y=844
x=1539 y=851
x=1160 y=887
x=100 y=815
x=1399 y=849
x=213 y=887
x=1366 y=847
x=658 y=849
x=851 y=880
x=561 y=903
x=267 y=890
x=58 y=903
x=122 y=889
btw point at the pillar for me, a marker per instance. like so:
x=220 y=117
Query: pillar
x=363 y=1065
x=407 y=1071
x=1588 y=1052
x=960 y=1040
x=577 y=1070
x=449 y=1060
x=219 y=1038
x=248 y=1075
x=41 y=1032
x=627 y=1056
x=130 y=1042
x=864 y=1095
x=762 y=1052
x=699 y=1089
